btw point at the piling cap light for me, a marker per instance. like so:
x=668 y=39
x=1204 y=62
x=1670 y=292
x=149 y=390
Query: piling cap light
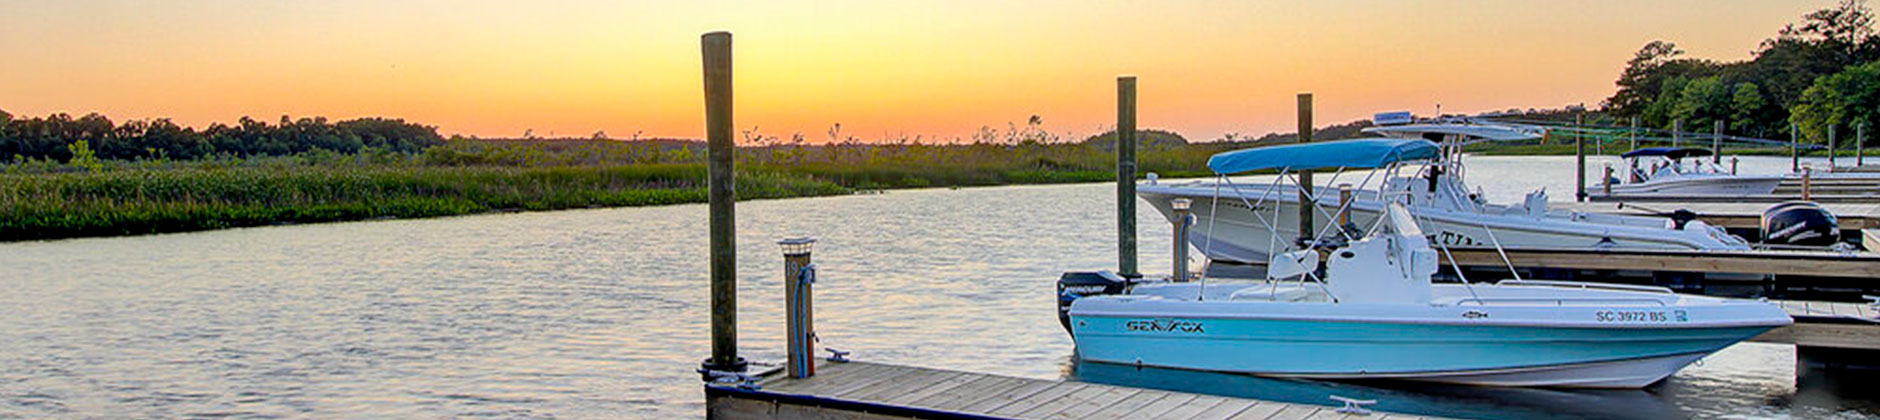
x=1180 y=204
x=797 y=246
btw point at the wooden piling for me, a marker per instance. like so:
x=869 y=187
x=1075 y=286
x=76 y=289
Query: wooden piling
x=1579 y=158
x=1795 y=147
x=1126 y=176
x=1860 y=144
x=1632 y=132
x=1716 y=142
x=1807 y=185
x=718 y=123
x=1179 y=256
x=1677 y=133
x=799 y=307
x=1306 y=204
x=1831 y=148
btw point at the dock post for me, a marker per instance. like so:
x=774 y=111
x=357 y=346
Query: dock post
x=1677 y=133
x=1579 y=159
x=1716 y=142
x=1831 y=147
x=799 y=308
x=1632 y=131
x=1607 y=181
x=1733 y=165
x=1795 y=146
x=1306 y=204
x=724 y=257
x=1806 y=184
x=1860 y=144
x=1126 y=176
x=1182 y=222
x=1344 y=205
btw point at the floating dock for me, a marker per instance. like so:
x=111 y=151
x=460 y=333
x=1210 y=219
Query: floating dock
x=862 y=390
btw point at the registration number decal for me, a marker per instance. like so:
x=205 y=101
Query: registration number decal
x=1640 y=316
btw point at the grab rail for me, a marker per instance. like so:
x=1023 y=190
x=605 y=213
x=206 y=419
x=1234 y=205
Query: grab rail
x=1585 y=285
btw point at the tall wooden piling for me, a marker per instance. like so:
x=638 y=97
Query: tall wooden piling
x=1126 y=176
x=1306 y=204
x=1579 y=159
x=723 y=196
x=1632 y=131
x=1716 y=142
x=1831 y=148
x=1795 y=147
x=1677 y=133
x=1860 y=144
x=1179 y=256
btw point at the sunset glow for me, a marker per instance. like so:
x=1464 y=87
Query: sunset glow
x=879 y=68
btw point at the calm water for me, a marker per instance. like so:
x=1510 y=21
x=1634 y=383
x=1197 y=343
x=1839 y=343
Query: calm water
x=601 y=313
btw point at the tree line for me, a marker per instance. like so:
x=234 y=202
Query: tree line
x=1821 y=72
x=60 y=137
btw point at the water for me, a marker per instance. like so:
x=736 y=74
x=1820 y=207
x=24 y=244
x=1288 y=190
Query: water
x=602 y=313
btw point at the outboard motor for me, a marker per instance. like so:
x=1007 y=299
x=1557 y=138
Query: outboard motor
x=1077 y=284
x=1800 y=223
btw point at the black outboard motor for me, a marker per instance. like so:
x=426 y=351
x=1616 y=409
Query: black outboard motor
x=1800 y=223
x=1077 y=284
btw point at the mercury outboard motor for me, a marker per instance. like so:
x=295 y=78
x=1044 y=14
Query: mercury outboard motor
x=1800 y=223
x=1077 y=284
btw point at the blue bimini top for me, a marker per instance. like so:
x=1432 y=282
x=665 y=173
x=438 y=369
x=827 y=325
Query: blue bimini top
x=1355 y=153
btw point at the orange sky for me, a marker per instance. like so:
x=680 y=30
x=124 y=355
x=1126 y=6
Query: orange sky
x=880 y=67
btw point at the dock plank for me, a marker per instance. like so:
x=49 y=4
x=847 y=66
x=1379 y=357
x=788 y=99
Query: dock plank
x=1023 y=391
x=982 y=387
x=903 y=384
x=1080 y=404
x=1226 y=409
x=1161 y=406
x=936 y=388
x=1296 y=412
x=1192 y=408
x=1261 y=411
x=1123 y=408
x=1051 y=394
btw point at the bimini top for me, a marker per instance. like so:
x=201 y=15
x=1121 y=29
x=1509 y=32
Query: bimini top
x=1355 y=153
x=1668 y=152
x=1495 y=132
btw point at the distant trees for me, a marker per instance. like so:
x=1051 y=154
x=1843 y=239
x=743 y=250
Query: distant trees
x=1757 y=97
x=1845 y=99
x=52 y=137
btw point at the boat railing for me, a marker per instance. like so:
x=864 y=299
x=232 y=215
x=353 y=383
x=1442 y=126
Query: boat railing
x=1557 y=301
x=1586 y=285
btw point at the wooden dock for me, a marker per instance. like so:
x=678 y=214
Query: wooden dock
x=1837 y=325
x=862 y=390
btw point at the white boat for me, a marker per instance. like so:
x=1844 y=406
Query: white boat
x=1248 y=223
x=1374 y=313
x=1681 y=171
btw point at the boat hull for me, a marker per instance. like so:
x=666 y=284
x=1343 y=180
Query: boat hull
x=1553 y=346
x=1717 y=185
x=1229 y=231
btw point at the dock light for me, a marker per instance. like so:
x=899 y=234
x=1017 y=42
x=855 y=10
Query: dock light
x=1181 y=220
x=798 y=275
x=793 y=247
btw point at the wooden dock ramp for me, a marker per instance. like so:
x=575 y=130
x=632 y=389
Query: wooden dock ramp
x=869 y=391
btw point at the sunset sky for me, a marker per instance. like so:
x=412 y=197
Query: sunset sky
x=878 y=67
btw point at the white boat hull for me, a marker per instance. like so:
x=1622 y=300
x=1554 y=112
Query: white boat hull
x=1239 y=235
x=1701 y=185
